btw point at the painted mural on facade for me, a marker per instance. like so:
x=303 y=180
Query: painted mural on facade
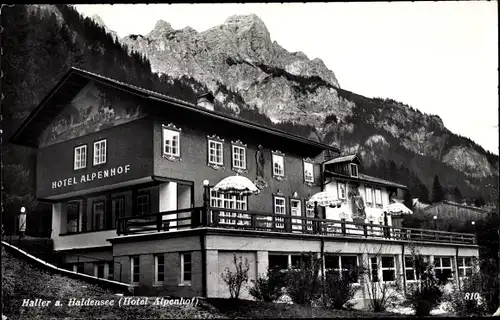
x=93 y=109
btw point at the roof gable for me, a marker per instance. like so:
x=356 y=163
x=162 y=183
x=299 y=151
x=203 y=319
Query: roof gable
x=75 y=80
x=349 y=158
x=94 y=108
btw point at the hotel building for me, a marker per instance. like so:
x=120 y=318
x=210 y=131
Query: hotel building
x=129 y=173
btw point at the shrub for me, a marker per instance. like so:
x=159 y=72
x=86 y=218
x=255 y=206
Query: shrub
x=235 y=280
x=427 y=292
x=462 y=306
x=339 y=289
x=304 y=284
x=268 y=288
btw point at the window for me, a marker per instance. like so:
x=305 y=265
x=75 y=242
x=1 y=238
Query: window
x=239 y=157
x=374 y=269
x=117 y=209
x=345 y=266
x=308 y=172
x=388 y=270
x=186 y=268
x=296 y=211
x=297 y=261
x=443 y=268
x=78 y=267
x=369 y=194
x=215 y=154
x=278 y=262
x=387 y=267
x=159 y=268
x=134 y=269
x=99 y=152
x=279 y=208
x=309 y=214
x=230 y=201
x=73 y=216
x=111 y=270
x=342 y=190
x=143 y=203
x=278 y=165
x=464 y=267
x=410 y=272
x=354 y=170
x=80 y=159
x=378 y=196
x=98 y=209
x=171 y=143
x=99 y=270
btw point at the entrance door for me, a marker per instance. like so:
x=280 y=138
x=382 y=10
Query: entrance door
x=184 y=201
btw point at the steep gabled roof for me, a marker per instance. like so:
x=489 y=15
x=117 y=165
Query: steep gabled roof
x=366 y=178
x=348 y=158
x=456 y=204
x=75 y=79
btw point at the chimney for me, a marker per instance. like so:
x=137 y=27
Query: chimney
x=206 y=101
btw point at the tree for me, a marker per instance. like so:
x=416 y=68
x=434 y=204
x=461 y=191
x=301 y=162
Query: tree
x=437 y=190
x=234 y=280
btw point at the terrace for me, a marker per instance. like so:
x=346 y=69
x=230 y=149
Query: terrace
x=207 y=216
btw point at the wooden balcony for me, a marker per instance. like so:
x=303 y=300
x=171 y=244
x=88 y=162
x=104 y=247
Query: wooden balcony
x=199 y=217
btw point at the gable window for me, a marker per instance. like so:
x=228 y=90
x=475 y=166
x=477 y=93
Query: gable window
x=98 y=209
x=278 y=165
x=215 y=154
x=159 y=268
x=99 y=152
x=239 y=157
x=378 y=197
x=354 y=170
x=308 y=172
x=369 y=195
x=230 y=201
x=342 y=190
x=186 y=268
x=279 y=208
x=134 y=269
x=171 y=142
x=143 y=203
x=80 y=157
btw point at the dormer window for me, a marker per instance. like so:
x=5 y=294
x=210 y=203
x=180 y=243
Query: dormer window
x=354 y=170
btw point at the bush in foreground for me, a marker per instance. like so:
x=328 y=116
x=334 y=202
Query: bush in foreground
x=268 y=288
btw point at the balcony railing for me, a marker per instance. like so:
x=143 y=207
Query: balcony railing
x=250 y=220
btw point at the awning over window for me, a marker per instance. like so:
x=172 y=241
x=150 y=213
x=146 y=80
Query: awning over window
x=236 y=185
x=325 y=199
x=397 y=209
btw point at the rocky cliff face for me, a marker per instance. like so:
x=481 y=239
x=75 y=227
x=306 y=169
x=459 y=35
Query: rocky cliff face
x=289 y=87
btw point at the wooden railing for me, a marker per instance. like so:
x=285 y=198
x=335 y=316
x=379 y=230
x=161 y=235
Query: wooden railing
x=250 y=220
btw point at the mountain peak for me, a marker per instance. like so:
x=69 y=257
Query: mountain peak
x=97 y=19
x=162 y=25
x=250 y=20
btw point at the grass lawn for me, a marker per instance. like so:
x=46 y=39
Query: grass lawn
x=22 y=280
x=256 y=309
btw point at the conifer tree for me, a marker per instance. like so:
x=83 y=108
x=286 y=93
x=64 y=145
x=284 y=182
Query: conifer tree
x=437 y=190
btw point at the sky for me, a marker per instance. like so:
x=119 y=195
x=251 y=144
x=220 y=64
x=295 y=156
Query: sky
x=438 y=57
